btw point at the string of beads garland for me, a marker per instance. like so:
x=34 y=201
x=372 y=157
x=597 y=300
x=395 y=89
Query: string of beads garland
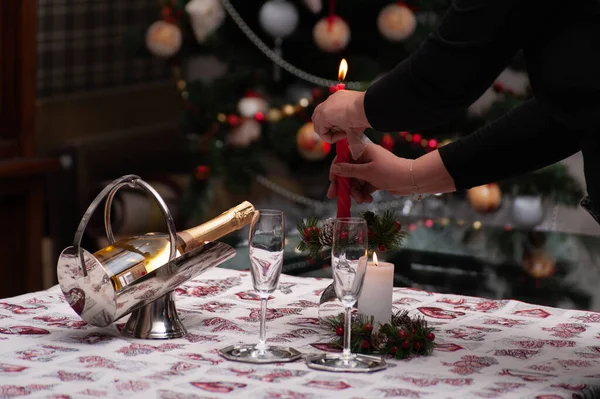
x=403 y=337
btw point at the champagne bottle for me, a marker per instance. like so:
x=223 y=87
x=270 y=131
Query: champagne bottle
x=131 y=258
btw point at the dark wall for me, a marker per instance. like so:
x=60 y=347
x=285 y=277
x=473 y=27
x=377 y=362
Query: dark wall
x=83 y=45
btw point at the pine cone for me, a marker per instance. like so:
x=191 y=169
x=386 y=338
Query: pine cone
x=326 y=233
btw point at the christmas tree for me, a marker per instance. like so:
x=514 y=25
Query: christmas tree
x=250 y=73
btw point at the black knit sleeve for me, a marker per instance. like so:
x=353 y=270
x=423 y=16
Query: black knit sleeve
x=473 y=43
x=525 y=139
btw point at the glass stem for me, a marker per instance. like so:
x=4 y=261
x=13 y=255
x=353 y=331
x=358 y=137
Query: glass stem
x=262 y=340
x=347 y=354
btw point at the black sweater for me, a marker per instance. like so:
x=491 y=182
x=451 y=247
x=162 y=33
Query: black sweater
x=473 y=43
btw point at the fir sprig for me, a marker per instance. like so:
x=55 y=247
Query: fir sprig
x=385 y=234
x=403 y=337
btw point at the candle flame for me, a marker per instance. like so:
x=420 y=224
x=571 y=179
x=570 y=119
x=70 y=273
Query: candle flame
x=343 y=70
x=375 y=259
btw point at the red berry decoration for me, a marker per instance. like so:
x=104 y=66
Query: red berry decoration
x=315 y=229
x=406 y=344
x=381 y=248
x=431 y=336
x=393 y=351
x=368 y=328
x=339 y=331
x=402 y=334
x=365 y=344
x=417 y=346
x=307 y=232
x=398 y=225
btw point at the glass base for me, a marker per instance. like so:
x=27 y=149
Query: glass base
x=250 y=354
x=355 y=364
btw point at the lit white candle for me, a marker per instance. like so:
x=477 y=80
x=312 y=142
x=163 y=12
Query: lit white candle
x=377 y=292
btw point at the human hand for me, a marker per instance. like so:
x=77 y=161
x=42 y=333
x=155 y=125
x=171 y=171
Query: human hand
x=341 y=114
x=376 y=169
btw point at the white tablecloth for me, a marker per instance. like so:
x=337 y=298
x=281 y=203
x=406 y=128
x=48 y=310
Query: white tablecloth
x=487 y=349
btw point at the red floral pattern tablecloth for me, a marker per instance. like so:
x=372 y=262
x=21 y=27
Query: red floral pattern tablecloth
x=487 y=349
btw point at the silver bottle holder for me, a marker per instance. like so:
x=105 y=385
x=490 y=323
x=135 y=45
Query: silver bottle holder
x=88 y=287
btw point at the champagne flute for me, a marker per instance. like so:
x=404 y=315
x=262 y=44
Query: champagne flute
x=266 y=246
x=349 y=257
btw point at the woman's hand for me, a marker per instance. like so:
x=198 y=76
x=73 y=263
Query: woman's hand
x=376 y=169
x=342 y=113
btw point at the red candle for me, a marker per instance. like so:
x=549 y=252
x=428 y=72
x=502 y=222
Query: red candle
x=343 y=183
x=343 y=156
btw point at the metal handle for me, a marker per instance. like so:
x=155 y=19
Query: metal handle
x=109 y=192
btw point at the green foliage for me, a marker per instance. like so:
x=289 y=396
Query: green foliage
x=385 y=234
x=403 y=337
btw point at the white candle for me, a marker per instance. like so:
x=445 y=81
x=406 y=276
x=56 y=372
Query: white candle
x=377 y=292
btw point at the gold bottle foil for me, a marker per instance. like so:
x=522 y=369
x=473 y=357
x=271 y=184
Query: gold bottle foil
x=227 y=222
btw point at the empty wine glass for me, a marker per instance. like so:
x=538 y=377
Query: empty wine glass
x=349 y=255
x=266 y=245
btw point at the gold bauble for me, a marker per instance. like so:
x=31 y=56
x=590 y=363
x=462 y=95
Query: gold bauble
x=538 y=264
x=331 y=34
x=396 y=22
x=486 y=198
x=163 y=39
x=310 y=145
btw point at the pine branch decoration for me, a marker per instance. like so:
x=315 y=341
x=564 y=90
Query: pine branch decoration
x=403 y=337
x=385 y=234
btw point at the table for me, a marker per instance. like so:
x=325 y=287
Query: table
x=486 y=349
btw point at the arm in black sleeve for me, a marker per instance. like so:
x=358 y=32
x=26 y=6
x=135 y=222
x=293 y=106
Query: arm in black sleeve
x=525 y=139
x=473 y=43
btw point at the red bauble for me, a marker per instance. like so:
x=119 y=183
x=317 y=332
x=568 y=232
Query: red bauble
x=431 y=336
x=402 y=334
x=406 y=344
x=339 y=331
x=343 y=235
x=381 y=248
x=416 y=138
x=365 y=344
x=368 y=327
x=398 y=225
x=233 y=120
x=393 y=351
x=417 y=346
x=387 y=142
x=202 y=172
x=307 y=232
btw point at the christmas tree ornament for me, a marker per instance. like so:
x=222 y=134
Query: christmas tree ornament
x=163 y=39
x=538 y=264
x=310 y=145
x=388 y=142
x=279 y=18
x=527 y=211
x=314 y=6
x=252 y=104
x=331 y=34
x=396 y=22
x=244 y=134
x=485 y=198
x=484 y=103
x=202 y=172
x=206 y=16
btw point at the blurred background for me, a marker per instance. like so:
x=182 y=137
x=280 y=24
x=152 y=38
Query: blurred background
x=210 y=101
